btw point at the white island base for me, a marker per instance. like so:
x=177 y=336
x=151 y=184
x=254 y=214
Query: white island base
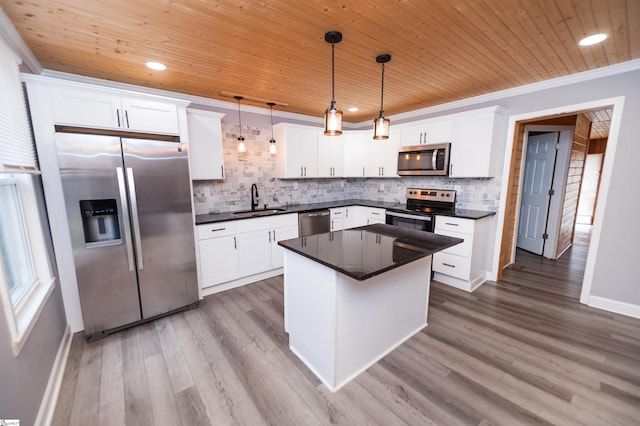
x=339 y=326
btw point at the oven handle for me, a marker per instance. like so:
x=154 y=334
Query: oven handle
x=409 y=216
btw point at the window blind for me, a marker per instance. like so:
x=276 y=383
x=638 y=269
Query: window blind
x=17 y=151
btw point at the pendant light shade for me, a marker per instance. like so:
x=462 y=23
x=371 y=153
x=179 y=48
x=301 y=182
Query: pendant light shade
x=333 y=114
x=380 y=123
x=241 y=146
x=272 y=141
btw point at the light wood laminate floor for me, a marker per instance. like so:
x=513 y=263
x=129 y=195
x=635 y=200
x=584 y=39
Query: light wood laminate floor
x=522 y=351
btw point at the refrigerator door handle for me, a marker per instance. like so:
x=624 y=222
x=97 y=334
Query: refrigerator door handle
x=125 y=215
x=134 y=218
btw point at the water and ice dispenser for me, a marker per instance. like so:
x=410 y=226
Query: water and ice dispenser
x=100 y=222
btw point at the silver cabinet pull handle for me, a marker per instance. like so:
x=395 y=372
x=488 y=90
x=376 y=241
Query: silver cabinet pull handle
x=222 y=170
x=218 y=229
x=451 y=224
x=274 y=235
x=269 y=235
x=125 y=216
x=235 y=244
x=126 y=116
x=449 y=265
x=118 y=117
x=134 y=214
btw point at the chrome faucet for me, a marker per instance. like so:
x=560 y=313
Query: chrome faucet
x=254 y=196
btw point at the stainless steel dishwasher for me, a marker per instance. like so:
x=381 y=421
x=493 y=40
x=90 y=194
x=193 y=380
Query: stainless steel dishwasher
x=316 y=222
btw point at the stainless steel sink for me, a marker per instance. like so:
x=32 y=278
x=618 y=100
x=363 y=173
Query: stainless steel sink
x=254 y=213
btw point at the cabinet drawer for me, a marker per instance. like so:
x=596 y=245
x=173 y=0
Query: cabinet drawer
x=463 y=249
x=450 y=264
x=213 y=230
x=280 y=220
x=456 y=224
x=337 y=213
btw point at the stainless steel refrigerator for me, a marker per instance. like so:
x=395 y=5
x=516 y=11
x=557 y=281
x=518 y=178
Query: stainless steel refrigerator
x=128 y=203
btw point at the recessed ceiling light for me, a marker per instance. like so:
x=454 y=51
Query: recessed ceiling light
x=156 y=66
x=353 y=109
x=592 y=39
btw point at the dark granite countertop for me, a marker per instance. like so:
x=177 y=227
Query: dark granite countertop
x=367 y=251
x=202 y=219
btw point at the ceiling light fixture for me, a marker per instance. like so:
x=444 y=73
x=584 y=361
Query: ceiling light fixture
x=381 y=124
x=241 y=146
x=592 y=39
x=157 y=66
x=333 y=114
x=272 y=141
x=353 y=109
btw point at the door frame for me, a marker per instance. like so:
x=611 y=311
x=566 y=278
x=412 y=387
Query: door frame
x=565 y=139
x=505 y=218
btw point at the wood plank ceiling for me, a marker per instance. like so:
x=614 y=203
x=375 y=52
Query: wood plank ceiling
x=442 y=50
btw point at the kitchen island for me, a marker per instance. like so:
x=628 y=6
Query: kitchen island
x=352 y=296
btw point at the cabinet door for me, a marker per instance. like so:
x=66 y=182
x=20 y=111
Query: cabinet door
x=355 y=154
x=150 y=116
x=390 y=164
x=254 y=252
x=218 y=260
x=297 y=154
x=205 y=145
x=330 y=155
x=277 y=252
x=376 y=152
x=471 y=148
x=374 y=215
x=337 y=224
x=427 y=132
x=86 y=108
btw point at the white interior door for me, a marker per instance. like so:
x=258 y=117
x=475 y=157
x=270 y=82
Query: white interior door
x=534 y=204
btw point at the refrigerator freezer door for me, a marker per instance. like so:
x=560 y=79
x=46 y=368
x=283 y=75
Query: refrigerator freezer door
x=100 y=234
x=158 y=182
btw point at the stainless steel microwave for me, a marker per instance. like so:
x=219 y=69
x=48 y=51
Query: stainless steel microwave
x=424 y=160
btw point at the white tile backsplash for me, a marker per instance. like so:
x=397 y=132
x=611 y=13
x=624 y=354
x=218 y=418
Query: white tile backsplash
x=259 y=167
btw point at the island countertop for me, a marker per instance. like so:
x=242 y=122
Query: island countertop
x=367 y=251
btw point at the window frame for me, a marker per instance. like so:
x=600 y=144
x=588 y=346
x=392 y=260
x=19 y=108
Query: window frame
x=23 y=314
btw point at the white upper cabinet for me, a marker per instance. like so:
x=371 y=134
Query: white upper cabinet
x=382 y=156
x=424 y=132
x=355 y=152
x=330 y=155
x=206 y=160
x=474 y=150
x=297 y=151
x=110 y=110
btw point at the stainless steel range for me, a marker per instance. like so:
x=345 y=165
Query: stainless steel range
x=422 y=205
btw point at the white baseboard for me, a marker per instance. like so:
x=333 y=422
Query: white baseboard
x=239 y=282
x=614 y=306
x=50 y=397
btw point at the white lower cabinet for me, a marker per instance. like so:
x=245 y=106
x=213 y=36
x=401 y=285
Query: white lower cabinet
x=374 y=215
x=464 y=266
x=231 y=252
x=337 y=218
x=218 y=256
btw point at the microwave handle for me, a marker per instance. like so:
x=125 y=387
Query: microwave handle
x=434 y=157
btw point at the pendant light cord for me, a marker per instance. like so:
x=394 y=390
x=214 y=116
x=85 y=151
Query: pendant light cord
x=382 y=93
x=239 y=117
x=333 y=75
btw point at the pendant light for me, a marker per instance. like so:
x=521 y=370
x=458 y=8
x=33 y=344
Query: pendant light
x=333 y=114
x=241 y=146
x=272 y=141
x=381 y=124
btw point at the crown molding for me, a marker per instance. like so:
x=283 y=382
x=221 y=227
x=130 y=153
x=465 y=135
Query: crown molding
x=12 y=38
x=195 y=100
x=580 y=77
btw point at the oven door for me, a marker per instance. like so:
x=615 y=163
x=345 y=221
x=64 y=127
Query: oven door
x=410 y=221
